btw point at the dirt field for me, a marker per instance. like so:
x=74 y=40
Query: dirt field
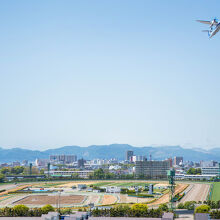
x=46 y=199
x=197 y=192
x=130 y=199
x=165 y=198
x=108 y=199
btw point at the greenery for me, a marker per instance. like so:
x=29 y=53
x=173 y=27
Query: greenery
x=137 y=210
x=215 y=192
x=47 y=208
x=215 y=214
x=21 y=210
x=164 y=207
x=202 y=209
x=190 y=205
x=194 y=171
x=2 y=177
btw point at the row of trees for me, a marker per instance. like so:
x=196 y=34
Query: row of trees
x=190 y=205
x=22 y=210
x=101 y=174
x=136 y=210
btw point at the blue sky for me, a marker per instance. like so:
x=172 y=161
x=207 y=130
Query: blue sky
x=102 y=72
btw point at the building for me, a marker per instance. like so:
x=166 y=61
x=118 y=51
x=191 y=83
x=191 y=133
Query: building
x=208 y=163
x=81 y=173
x=138 y=158
x=152 y=169
x=81 y=163
x=63 y=158
x=170 y=161
x=177 y=161
x=129 y=155
x=211 y=170
x=41 y=162
x=181 y=176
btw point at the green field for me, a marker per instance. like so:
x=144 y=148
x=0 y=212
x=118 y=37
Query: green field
x=121 y=184
x=216 y=192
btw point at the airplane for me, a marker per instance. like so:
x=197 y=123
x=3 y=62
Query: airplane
x=214 y=27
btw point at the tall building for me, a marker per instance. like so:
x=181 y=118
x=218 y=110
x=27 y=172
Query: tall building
x=152 y=169
x=177 y=161
x=129 y=155
x=81 y=163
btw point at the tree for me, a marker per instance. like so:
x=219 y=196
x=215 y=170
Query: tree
x=202 y=209
x=180 y=206
x=99 y=173
x=164 y=207
x=139 y=207
x=2 y=177
x=47 y=208
x=190 y=205
x=21 y=210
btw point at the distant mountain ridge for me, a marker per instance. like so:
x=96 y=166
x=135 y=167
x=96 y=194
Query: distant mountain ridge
x=111 y=151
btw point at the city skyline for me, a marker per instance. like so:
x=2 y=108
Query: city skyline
x=84 y=73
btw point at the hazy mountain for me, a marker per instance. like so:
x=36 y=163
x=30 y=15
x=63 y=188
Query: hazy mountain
x=111 y=151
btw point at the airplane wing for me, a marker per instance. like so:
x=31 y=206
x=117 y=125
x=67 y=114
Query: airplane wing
x=204 y=22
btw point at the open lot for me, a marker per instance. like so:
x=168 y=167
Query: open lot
x=49 y=199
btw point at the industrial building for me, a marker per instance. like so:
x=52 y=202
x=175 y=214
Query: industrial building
x=152 y=169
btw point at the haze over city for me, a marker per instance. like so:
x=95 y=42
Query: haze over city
x=103 y=72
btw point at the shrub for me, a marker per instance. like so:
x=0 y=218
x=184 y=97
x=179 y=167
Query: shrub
x=139 y=207
x=202 y=209
x=190 y=205
x=21 y=210
x=47 y=208
x=180 y=206
x=164 y=207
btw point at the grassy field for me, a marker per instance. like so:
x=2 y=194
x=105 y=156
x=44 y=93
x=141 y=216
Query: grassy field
x=216 y=192
x=121 y=184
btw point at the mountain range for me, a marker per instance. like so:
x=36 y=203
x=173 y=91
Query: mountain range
x=111 y=151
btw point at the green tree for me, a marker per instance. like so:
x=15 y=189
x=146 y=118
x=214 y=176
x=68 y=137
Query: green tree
x=21 y=210
x=190 y=205
x=164 y=207
x=139 y=207
x=99 y=174
x=2 y=177
x=47 y=208
x=202 y=209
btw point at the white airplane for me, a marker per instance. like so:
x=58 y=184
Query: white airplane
x=214 y=27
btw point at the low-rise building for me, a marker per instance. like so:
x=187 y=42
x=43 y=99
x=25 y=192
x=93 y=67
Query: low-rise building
x=81 y=173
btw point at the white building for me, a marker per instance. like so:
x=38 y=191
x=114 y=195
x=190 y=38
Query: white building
x=81 y=173
x=211 y=171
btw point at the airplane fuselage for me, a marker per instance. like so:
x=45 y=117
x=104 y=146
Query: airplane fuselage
x=216 y=30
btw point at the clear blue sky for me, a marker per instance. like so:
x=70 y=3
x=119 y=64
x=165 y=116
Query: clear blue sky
x=102 y=72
